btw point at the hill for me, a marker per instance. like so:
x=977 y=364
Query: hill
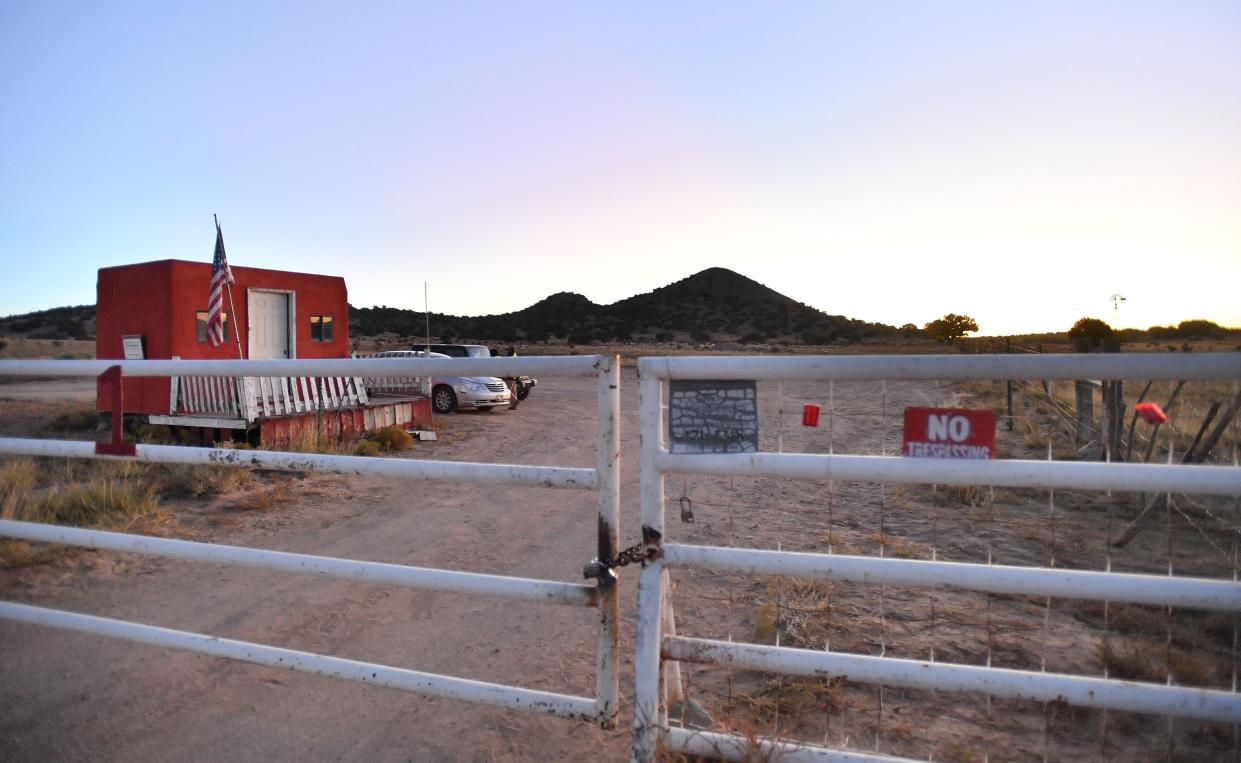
x=707 y=305
x=56 y=323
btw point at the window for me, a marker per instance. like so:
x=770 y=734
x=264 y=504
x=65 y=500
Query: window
x=201 y=321
x=322 y=328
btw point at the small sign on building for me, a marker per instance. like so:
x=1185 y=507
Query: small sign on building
x=713 y=416
x=132 y=345
x=949 y=433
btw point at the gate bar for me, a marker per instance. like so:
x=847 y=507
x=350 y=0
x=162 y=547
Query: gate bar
x=1161 y=590
x=563 y=365
x=418 y=682
x=716 y=746
x=433 y=579
x=1129 y=365
x=1130 y=696
x=1075 y=475
x=482 y=474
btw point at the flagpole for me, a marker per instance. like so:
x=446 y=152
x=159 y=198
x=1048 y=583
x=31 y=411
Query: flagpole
x=236 y=333
x=231 y=307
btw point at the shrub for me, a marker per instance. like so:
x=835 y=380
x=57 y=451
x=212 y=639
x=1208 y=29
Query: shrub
x=1200 y=329
x=663 y=336
x=156 y=434
x=366 y=448
x=74 y=421
x=391 y=438
x=196 y=480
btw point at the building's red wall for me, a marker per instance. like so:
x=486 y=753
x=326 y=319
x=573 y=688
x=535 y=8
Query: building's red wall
x=132 y=299
x=159 y=300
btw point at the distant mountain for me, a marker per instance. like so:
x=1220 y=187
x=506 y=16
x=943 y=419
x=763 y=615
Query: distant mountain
x=714 y=304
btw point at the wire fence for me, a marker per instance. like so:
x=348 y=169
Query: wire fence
x=1053 y=529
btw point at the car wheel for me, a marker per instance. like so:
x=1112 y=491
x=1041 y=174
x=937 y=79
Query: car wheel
x=523 y=393
x=443 y=399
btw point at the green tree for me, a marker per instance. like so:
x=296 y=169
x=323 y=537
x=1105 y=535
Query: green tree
x=1200 y=329
x=1091 y=328
x=951 y=327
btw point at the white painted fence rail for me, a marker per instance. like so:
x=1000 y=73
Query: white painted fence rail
x=430 y=684
x=603 y=479
x=551 y=592
x=651 y=727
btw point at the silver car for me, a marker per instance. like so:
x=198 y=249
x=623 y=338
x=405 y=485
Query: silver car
x=453 y=393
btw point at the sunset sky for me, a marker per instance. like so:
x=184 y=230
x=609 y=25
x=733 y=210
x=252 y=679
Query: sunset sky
x=1018 y=162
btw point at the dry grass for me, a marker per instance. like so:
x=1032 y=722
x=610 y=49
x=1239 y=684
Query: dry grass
x=266 y=498
x=98 y=494
x=197 y=481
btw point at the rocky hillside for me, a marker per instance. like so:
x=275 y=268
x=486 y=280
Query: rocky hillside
x=57 y=323
x=712 y=304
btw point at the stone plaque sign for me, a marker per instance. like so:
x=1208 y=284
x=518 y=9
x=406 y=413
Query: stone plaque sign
x=713 y=416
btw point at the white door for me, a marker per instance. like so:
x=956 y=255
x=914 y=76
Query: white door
x=269 y=325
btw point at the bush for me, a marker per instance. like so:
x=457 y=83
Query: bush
x=85 y=420
x=155 y=434
x=365 y=448
x=197 y=480
x=1200 y=329
x=391 y=438
x=663 y=336
x=754 y=337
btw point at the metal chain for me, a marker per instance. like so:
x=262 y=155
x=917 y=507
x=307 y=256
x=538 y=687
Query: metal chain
x=632 y=555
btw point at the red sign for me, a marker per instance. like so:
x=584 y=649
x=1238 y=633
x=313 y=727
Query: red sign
x=949 y=433
x=810 y=415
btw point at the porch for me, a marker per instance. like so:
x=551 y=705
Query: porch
x=286 y=408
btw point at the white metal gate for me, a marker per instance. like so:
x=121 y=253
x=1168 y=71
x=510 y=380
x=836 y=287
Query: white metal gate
x=659 y=650
x=601 y=708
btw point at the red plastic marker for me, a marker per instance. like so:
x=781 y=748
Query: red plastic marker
x=1151 y=413
x=810 y=415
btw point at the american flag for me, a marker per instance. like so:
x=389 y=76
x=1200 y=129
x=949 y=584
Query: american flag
x=220 y=276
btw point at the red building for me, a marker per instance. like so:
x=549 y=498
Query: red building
x=158 y=310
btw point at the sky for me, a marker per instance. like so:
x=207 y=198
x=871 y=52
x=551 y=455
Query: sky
x=1019 y=162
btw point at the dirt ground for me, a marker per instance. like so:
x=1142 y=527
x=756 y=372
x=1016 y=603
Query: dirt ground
x=74 y=696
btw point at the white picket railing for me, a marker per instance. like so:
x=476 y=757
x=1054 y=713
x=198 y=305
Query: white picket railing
x=654 y=647
x=602 y=479
x=250 y=398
